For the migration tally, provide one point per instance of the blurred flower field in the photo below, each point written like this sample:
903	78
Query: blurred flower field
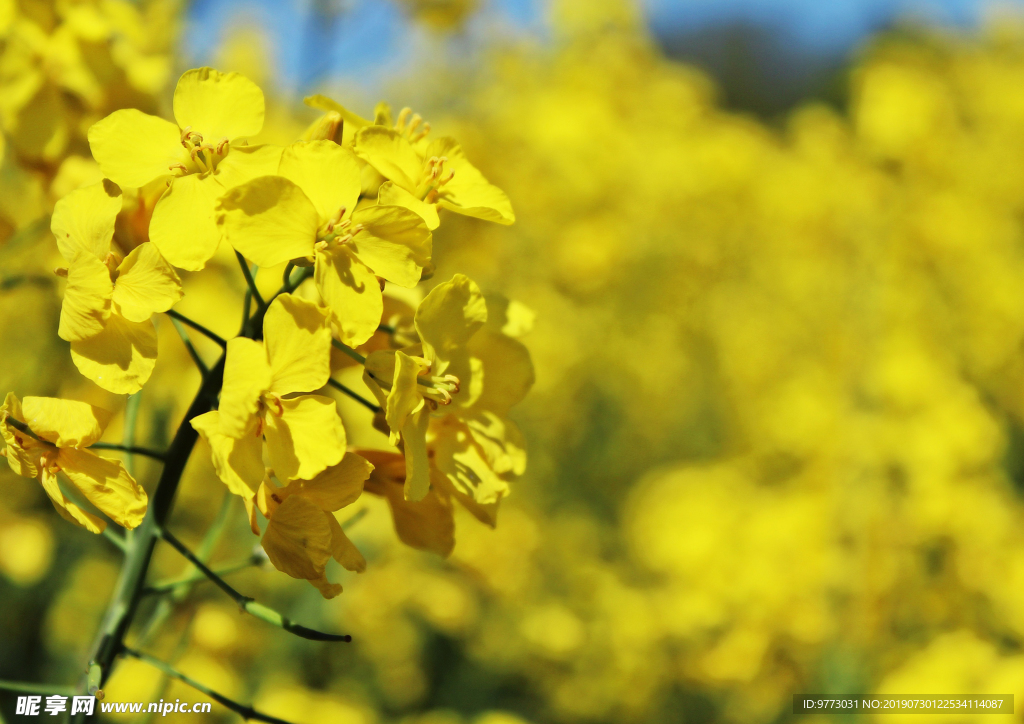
776	438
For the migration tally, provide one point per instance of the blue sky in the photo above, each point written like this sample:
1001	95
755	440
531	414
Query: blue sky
372	40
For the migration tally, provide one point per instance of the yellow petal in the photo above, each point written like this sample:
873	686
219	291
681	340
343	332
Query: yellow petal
238	461
244	163
184	225
392	195
342	549
327	589
83	221
427	524
448	317
119	359
23	452
146	284
106	484
469	193
339	485
507	371
327	173
394	243
306	438
458	456
218	105
87	296
298	343
65	423
350	290
68	510
417	461
133	148
246	378
500	441
405	398
391	154
323	103
298	539
269	220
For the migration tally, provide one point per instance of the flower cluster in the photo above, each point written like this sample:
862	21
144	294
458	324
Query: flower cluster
349	213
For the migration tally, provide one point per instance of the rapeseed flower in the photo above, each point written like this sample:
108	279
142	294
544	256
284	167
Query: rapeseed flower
61	430
201	156
310	213
303	433
109	298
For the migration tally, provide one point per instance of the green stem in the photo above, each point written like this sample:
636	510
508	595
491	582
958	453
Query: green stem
25	687
248	604
19	425
18	279
196	326
246	712
180	329
169	585
354	395
260	304
349	351
116	539
130	449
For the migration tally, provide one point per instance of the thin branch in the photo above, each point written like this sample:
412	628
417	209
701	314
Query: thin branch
250	281
355	518
246	712
115	538
180	329
130	449
354	395
349	351
248	604
385	328
26	687
18	424
196	326
18	279
288	273
168	586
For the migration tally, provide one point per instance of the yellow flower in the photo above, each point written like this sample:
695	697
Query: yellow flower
424	176
201	157
445	320
302	533
304	433
109	300
64	428
475	368
309	213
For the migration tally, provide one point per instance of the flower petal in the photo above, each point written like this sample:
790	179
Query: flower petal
391	154
391	194
448	317
507	371
146	284
86	306
68	510
83	221
469	193
298	539
350	290
244	163
417	460
405	397
339	485
218	105
238	461
119	359
269	220
246	377
133	148
23	452
327	173
298	343
323	103
457	455
427	524
106	484
65	423
306	438
184	225
395	243
342	549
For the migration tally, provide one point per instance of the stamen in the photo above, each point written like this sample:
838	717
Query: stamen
403	116
61	271
415	123
178	167
222	147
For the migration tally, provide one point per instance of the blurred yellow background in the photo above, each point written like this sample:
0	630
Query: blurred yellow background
777	434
